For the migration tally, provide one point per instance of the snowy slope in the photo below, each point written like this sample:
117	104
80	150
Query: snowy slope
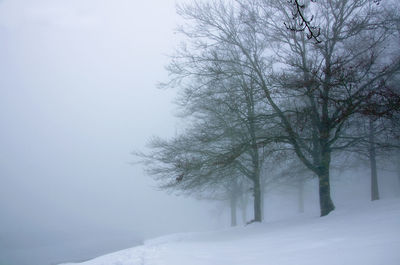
367	235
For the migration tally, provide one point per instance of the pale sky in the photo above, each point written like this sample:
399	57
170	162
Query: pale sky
77	95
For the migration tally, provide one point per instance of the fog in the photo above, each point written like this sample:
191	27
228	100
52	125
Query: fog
78	95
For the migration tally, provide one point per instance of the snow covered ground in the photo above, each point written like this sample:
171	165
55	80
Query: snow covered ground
367	235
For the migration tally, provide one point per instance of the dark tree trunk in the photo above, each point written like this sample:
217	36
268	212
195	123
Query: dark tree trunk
233	206
324	161
372	161
256	177
257	198
374	178
325	200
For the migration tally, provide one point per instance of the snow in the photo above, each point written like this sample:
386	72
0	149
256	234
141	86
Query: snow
367	234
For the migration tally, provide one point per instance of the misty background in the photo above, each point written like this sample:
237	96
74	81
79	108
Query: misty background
78	95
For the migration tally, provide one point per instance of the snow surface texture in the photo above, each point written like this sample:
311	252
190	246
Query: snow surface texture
367	235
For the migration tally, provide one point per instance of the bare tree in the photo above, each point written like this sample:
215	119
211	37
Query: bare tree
222	142
326	82
312	88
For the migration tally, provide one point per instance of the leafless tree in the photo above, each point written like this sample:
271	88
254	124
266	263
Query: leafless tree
327	82
312	88
222	141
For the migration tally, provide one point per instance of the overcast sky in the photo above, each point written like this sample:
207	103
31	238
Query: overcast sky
77	95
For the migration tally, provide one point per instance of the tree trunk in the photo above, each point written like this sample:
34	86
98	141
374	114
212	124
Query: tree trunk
257	199
372	160
262	196
243	207
233	206
325	201
301	195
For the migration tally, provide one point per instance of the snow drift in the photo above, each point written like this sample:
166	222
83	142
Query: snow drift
367	235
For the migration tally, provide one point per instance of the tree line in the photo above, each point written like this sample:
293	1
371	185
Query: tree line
273	90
